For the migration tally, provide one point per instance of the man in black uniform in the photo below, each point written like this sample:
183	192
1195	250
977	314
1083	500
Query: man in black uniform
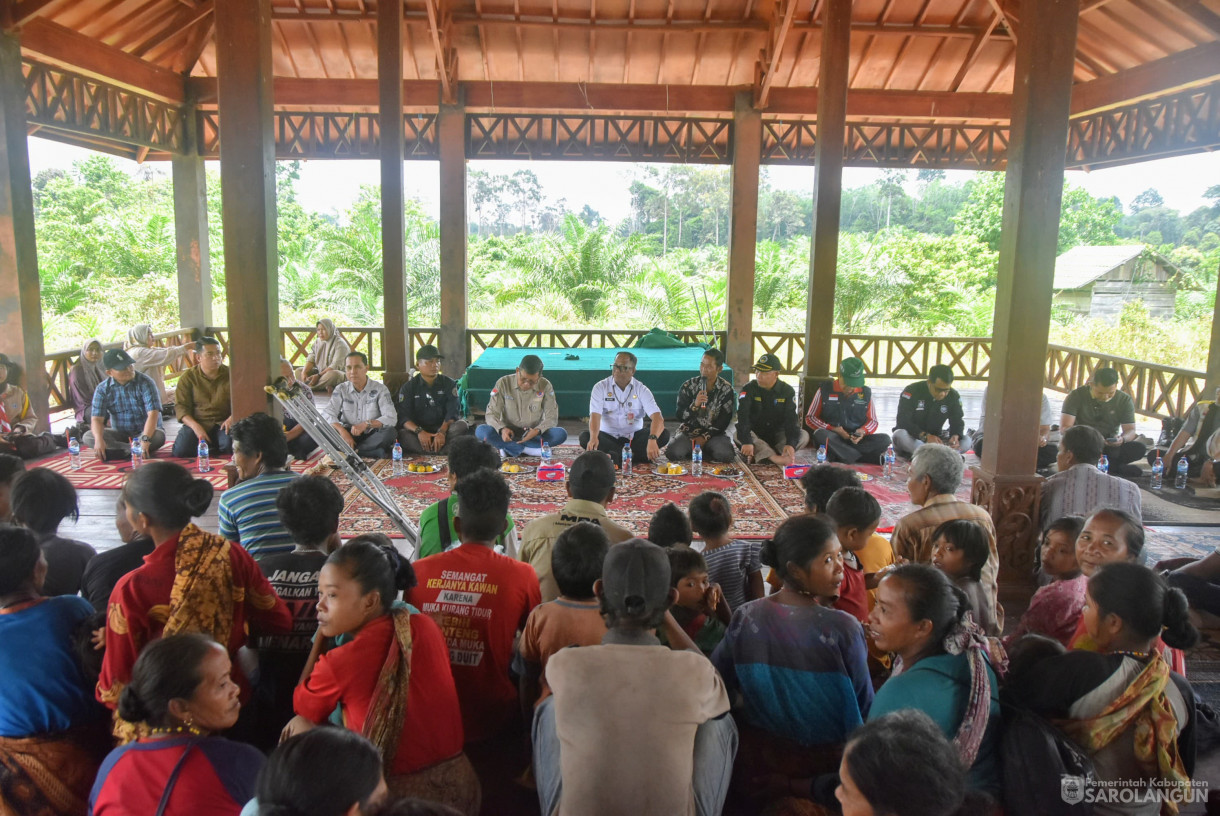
428	407
844	419
767	425
923	410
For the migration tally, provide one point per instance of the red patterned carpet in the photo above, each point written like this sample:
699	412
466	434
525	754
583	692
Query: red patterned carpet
111	475
761	498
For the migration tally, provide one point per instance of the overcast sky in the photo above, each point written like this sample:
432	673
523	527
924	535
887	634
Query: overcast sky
330	186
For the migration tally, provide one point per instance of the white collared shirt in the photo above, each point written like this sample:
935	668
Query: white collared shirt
622	410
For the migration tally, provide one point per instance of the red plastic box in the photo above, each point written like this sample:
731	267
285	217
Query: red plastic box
795	471
552	473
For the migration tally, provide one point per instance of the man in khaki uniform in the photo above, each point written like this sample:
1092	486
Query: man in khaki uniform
522	413
590	489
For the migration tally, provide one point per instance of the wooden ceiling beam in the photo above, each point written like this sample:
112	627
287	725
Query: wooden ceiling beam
181	22
1202	15
768	58
439	20
21	12
1186	69
196	41
53	44
973	53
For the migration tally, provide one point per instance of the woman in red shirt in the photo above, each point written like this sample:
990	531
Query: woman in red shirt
192	581
182	690
390	678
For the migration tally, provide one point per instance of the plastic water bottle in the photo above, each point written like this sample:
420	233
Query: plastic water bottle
1158	471
546	453
626	460
888	468
822	455
1183	472
74	452
696	460
396	455
137	453
202	457
1103	464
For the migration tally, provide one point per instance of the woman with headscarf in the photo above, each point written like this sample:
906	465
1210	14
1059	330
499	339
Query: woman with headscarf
151	359
83	380
323	368
17	418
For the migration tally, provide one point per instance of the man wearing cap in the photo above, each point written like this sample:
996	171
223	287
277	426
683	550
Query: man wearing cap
362	410
131	402
617	408
705	409
522	412
643	729
923	409
590	489
428	406
844	419
202	402
767	425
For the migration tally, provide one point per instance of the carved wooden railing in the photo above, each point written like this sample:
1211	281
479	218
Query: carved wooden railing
1158	390
59	364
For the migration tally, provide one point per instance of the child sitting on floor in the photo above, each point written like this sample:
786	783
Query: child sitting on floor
735	565
437	530
856	514
700	610
1055	608
959	550
572	619
669	527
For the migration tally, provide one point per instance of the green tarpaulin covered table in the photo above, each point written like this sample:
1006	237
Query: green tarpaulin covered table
662	370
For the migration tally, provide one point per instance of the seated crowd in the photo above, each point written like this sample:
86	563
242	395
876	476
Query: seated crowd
275	669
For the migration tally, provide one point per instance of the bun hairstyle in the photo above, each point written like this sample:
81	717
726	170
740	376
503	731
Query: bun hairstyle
710	513
168	669
322	772
371	561
167	493
798	540
1145	602
931	596
19	553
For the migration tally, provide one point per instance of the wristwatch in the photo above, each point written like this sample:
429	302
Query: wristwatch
652	436
145	438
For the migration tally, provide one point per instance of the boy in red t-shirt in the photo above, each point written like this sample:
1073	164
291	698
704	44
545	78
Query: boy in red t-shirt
856	515
480	599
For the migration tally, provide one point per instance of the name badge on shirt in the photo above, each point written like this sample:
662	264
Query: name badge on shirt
631	416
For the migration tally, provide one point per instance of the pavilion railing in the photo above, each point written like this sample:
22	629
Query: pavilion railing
59	364
1158	390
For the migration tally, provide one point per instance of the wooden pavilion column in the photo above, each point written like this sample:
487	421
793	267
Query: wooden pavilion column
191	231
1006	484
393	224
20	304
247	173
743	236
827	189
451	138
1213	350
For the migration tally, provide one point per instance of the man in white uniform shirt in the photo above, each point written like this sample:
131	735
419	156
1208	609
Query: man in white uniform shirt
617	408
362	411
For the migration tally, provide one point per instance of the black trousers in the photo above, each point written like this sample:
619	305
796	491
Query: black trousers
1047	454
868	450
613	445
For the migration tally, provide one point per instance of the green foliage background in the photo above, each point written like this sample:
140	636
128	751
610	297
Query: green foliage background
921	263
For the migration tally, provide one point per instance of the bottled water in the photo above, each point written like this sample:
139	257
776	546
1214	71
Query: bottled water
1158	471
888	468
822	455
1183	472
137	453
696	461
204	460
626	460
1103	464
396	455
74	452
546	453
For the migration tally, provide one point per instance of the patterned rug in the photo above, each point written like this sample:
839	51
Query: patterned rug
761	498
111	475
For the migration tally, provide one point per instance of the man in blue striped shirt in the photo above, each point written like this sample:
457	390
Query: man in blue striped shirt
247	512
131	402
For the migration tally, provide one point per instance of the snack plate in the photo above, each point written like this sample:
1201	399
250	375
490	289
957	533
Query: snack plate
718	471
524	469
658	472
432	469
864	477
